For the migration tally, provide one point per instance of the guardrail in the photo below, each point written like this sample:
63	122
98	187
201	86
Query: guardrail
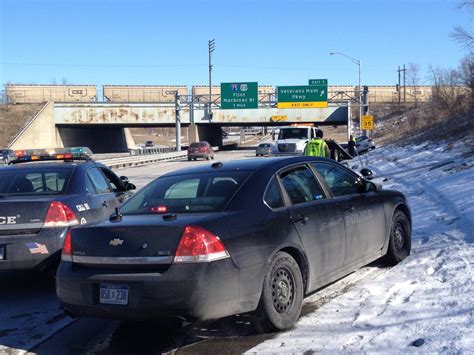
152	150
142	159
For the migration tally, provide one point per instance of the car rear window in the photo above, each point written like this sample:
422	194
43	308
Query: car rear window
197	145
186	193
34	182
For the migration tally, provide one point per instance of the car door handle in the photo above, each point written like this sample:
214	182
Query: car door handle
105	204
299	219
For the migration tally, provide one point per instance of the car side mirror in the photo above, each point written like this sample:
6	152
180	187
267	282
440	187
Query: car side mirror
367	173
129	186
367	186
124	178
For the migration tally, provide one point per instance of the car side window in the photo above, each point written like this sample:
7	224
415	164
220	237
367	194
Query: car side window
90	189
339	180
98	180
273	197
112	179
301	185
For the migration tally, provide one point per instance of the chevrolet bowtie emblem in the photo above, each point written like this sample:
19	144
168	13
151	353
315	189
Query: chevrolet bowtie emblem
116	242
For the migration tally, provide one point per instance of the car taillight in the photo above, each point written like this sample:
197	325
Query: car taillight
66	253
59	215
199	245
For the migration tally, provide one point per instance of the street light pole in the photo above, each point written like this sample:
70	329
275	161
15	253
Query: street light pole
211	46
359	63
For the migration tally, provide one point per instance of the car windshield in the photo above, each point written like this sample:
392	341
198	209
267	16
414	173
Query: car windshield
48	181
205	192
293	133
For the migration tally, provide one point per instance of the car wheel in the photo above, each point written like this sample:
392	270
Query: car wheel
208	157
212	157
282	293
399	244
189	159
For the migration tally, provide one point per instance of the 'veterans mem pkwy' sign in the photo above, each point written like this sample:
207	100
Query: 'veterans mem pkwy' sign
304	96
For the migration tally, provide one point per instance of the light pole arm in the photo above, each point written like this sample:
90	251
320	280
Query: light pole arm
352	59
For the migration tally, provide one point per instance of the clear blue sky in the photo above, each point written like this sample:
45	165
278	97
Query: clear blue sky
273	42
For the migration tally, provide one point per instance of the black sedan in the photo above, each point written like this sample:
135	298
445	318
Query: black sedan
233	237
40	200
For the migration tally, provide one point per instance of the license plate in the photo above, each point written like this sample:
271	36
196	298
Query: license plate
2	252
113	294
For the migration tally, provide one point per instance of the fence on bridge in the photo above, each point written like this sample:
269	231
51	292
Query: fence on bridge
24	93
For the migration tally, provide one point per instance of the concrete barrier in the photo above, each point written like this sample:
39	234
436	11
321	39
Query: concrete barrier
117	163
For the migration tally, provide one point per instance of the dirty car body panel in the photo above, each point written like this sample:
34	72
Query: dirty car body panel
40	201
131	266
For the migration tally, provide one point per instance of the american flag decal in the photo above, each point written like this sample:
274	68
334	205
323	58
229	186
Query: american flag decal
37	248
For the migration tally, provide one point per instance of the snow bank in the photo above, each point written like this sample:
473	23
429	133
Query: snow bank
428	297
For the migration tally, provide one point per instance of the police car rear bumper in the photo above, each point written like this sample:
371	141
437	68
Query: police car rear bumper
29	251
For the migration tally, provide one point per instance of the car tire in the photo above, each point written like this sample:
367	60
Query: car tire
282	292
399	243
208	157
212	157
189	159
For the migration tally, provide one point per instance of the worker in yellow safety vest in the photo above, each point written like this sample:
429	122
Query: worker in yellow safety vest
317	147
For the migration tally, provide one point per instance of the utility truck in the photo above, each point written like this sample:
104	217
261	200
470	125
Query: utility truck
293	139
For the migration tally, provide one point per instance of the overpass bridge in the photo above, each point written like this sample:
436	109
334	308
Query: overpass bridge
103	126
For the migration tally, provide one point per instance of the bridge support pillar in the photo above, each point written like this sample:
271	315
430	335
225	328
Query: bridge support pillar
193	133
129	138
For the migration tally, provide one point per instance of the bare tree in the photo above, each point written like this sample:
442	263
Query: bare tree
462	35
466	78
413	74
453	89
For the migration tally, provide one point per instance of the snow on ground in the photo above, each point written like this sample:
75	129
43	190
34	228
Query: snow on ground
429	295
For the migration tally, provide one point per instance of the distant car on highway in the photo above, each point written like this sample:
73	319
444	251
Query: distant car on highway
42	194
200	150
6	155
149	144
263	149
227	238
364	144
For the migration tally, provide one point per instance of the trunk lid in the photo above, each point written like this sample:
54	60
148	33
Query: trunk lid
133	238
23	214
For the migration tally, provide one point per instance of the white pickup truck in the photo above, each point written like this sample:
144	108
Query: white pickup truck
292	139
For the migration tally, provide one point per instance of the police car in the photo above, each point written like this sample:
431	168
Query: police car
42	194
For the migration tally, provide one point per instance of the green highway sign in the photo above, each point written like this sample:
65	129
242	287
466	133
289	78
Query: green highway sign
239	95
302	96
318	82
